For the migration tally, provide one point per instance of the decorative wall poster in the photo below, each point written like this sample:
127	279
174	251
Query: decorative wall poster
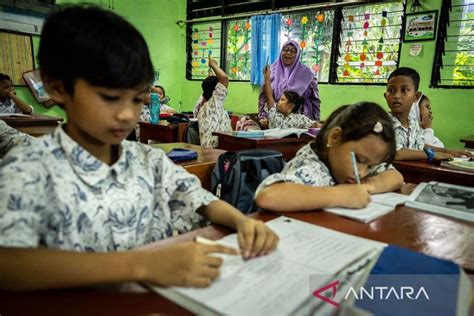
420	26
238	49
206	41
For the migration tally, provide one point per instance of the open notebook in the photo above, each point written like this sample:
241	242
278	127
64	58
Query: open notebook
297	278
381	204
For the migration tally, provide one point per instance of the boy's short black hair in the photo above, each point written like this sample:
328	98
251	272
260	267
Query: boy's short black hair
95	45
295	99
408	72
4	77
357	121
208	85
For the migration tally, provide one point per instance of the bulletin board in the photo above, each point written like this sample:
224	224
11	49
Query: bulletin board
16	55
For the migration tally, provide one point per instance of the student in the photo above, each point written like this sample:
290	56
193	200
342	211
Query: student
322	174
82	198
9	102
402	92
421	111
285	113
11	137
164	99
212	117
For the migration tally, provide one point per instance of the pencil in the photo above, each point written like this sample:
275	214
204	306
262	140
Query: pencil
204	241
354	167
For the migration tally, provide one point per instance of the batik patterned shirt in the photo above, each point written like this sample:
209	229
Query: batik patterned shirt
9	106
212	117
292	120
308	169
10	137
410	137
54	193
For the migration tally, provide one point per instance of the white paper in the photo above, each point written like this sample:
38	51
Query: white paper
283	132
381	204
277	283
415	49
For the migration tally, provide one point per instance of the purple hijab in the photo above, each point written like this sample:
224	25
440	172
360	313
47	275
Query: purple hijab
296	77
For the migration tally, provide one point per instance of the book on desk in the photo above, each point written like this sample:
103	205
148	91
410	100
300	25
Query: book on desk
293	279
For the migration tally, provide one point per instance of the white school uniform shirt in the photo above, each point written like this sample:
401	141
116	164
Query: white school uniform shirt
308	169
9	106
428	133
212	117
54	193
292	120
410	137
10	137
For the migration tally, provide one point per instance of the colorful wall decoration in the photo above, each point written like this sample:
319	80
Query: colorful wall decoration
205	42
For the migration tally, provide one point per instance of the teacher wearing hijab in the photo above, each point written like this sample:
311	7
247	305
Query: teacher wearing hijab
289	73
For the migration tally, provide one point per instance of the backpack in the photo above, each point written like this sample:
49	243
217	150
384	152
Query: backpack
237	175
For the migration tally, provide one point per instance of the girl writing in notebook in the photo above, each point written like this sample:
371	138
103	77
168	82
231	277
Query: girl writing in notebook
285	113
322	174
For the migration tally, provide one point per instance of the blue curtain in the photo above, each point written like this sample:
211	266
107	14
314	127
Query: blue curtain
265	44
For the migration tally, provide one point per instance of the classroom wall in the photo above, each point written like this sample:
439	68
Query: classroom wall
167	48
453	108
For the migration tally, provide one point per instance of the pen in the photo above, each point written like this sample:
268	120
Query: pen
354	167
204	241
266	63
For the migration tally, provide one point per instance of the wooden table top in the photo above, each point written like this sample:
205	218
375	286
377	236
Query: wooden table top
205	155
416	171
31	120
428	233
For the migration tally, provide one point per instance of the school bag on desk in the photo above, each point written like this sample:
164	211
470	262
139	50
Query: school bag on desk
237	175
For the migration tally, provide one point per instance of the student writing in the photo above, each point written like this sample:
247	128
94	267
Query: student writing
321	174
82	197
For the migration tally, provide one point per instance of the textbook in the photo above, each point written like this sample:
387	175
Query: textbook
381	204
278	283
319	271
284	132
249	134
442	198
459	165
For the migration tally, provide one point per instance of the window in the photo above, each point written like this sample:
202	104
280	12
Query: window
351	44
313	31
205	42
370	43
239	33
454	60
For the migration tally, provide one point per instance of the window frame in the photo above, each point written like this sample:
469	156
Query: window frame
442	34
336	38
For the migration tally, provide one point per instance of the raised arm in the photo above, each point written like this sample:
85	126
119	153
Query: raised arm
220	74
267	87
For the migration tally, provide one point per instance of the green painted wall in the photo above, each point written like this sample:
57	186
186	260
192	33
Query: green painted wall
156	19
453	109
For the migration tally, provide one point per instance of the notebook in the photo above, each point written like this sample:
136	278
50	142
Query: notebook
459	165
381	204
284	132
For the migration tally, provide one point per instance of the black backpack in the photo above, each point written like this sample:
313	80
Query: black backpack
237	175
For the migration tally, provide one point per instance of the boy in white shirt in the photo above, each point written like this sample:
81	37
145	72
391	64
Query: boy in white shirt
75	202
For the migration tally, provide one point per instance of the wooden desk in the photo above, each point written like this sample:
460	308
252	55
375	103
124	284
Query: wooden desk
288	146
203	166
468	141
416	171
428	233
35	124
162	132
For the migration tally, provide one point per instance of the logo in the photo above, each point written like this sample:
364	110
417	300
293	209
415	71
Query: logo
333	285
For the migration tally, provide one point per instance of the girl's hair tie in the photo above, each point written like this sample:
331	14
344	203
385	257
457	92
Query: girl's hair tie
378	127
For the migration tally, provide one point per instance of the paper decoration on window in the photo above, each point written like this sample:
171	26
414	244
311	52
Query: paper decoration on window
238	49
205	42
